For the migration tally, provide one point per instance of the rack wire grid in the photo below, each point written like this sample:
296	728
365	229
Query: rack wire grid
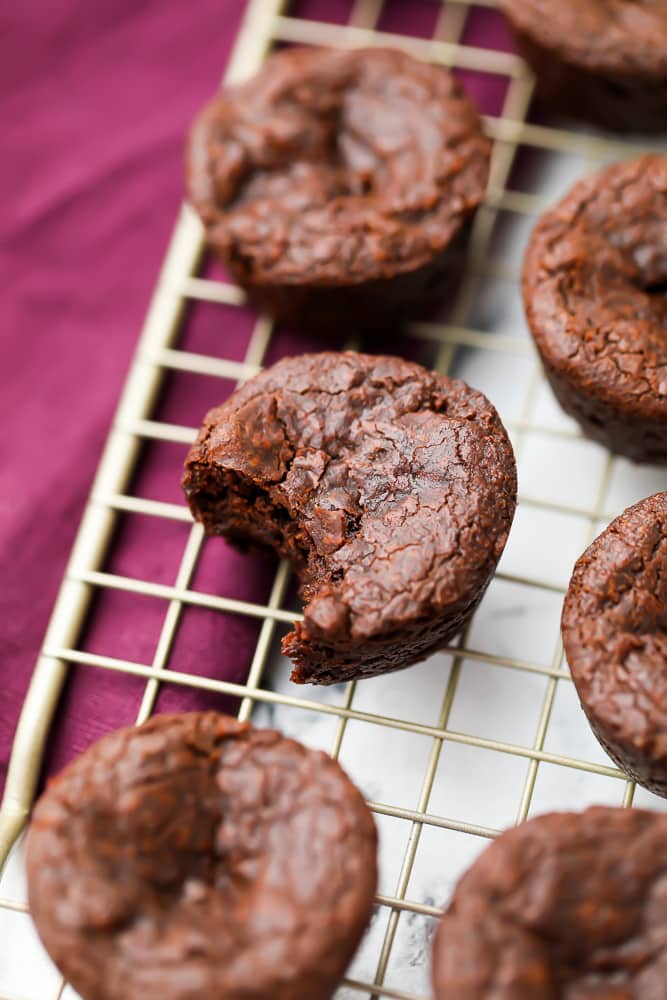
483	734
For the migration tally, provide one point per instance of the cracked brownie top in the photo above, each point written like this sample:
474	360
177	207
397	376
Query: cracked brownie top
595	283
196	856
336	167
615	638
605	36
391	488
568	905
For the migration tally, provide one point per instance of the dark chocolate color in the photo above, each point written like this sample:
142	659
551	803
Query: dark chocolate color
335	184
594	289
615	638
569	906
391	488
601	60
196	857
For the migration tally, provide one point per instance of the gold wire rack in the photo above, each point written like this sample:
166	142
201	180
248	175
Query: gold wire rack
268	22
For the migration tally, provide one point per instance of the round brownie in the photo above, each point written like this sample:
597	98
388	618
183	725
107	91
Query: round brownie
601	60
335	184
615	638
594	289
568	905
196	857
391	488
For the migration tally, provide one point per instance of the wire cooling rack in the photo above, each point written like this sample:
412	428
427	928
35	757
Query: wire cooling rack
488	731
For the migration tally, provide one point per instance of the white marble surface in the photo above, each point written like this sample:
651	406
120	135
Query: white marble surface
472	785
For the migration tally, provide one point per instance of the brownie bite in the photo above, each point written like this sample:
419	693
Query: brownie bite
337	186
615	638
569	906
390	488
594	290
601	60
197	857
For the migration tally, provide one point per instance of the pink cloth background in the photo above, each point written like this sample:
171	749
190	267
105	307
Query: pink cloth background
96	99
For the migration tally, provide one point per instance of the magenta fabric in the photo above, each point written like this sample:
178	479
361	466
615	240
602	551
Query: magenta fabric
96	99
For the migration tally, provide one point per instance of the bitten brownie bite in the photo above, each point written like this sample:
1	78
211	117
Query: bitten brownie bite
615	638
601	60
595	293
335	185
391	489
196	857
569	906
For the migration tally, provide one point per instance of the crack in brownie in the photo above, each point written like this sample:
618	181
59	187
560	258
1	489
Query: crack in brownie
334	184
594	289
390	488
196	857
615	639
569	906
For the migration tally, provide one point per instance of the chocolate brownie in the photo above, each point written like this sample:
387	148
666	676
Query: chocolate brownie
198	857
335	184
391	488
568	905
594	284
601	60
615	639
